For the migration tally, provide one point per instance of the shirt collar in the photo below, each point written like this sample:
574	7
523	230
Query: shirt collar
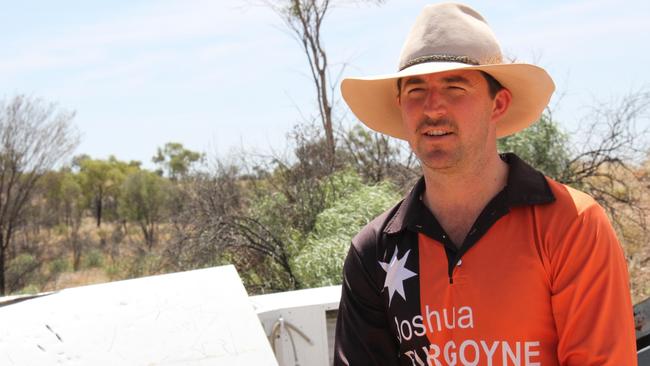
525	186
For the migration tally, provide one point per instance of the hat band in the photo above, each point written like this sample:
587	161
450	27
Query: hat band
440	58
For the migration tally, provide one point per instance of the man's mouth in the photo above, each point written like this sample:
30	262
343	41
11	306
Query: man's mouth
436	133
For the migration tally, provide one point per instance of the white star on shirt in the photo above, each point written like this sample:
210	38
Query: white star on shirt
396	273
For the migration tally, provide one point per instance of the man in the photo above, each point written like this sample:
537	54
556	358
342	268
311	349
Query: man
486	261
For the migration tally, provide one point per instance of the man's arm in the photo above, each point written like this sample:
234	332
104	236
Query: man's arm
362	333
591	296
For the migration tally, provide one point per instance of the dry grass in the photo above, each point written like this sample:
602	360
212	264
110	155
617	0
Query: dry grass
110	253
636	241
79	278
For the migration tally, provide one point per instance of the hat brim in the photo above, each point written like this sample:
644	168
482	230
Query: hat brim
374	99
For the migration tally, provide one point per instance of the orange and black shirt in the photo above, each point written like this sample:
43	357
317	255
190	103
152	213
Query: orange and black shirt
540	280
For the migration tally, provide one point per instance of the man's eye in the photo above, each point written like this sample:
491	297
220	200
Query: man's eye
416	91
455	87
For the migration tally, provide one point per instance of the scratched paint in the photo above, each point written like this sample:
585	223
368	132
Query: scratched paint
192	318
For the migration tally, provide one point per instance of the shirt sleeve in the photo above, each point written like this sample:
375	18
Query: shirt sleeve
591	295
362	333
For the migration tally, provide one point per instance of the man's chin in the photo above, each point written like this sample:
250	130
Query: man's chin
439	162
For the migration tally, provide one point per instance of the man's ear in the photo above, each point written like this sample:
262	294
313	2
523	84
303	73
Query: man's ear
501	103
398	98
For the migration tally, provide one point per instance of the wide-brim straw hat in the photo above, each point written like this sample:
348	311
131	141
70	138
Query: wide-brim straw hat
446	37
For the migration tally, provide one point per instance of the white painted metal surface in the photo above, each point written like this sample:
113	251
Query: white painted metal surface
201	317
300	324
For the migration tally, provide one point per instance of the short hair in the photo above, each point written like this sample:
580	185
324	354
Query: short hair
493	84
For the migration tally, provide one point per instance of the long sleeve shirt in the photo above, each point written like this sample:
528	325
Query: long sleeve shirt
540	280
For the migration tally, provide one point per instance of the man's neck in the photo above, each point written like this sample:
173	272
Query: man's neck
457	197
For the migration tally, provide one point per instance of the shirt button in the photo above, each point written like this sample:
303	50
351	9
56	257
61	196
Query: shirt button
460	261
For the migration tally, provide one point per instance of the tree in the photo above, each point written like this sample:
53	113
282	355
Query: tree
176	160
200	229
144	196
219	223
378	157
101	181
261	220
320	261
64	206
602	163
543	145
610	140
304	18
34	137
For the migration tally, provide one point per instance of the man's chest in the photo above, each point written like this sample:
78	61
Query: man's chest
494	303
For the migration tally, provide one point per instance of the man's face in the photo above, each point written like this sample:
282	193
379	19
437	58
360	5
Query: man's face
450	117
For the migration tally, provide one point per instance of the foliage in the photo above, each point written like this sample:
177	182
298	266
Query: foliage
175	160
543	145
58	266
144	265
320	261
64	207
304	19
376	157
199	224
93	259
34	137
144	197
280	225
22	271
284	222
269	247
101	181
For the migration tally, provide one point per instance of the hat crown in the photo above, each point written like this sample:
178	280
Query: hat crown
444	38
450	32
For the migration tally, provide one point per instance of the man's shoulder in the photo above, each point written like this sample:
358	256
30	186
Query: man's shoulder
572	214
531	187
569	200
372	235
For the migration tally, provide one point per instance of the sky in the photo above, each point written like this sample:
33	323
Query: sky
223	76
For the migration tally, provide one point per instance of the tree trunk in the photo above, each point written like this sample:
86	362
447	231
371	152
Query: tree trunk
148	232
98	205
76	250
329	135
2	265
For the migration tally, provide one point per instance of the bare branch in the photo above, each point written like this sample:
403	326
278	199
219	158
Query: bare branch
34	137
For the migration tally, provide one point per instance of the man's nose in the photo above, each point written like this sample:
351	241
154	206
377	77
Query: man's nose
434	104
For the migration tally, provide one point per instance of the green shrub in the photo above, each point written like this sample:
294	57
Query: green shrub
23	271
93	259
116	270
144	265
29	290
58	266
320	261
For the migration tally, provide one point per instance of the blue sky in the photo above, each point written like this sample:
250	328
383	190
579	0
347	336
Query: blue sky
224	75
